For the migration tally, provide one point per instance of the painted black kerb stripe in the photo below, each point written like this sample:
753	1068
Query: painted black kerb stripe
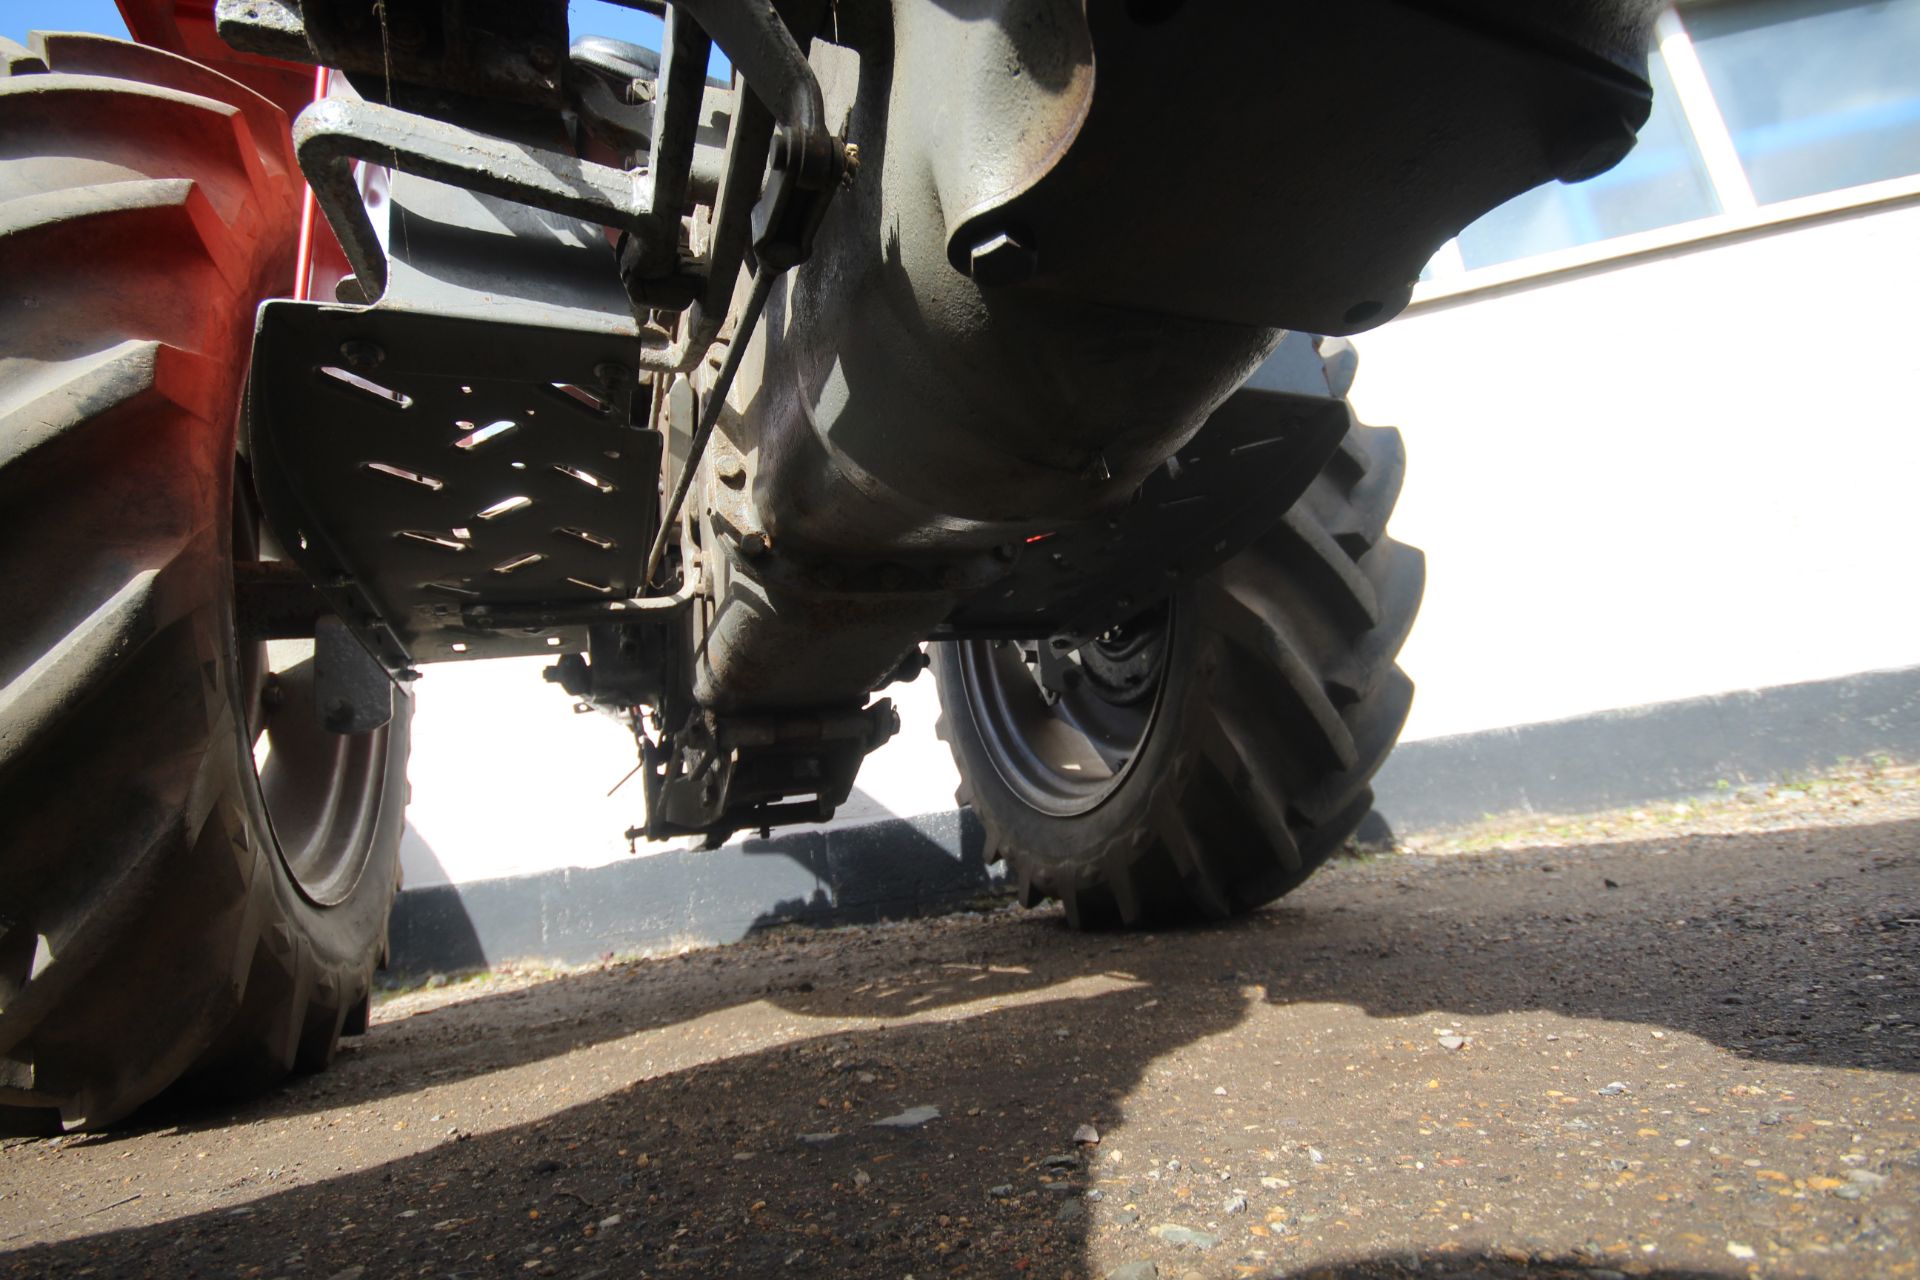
1664	751
888	870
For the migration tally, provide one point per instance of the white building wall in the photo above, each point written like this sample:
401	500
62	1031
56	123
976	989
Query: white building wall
1681	475
507	780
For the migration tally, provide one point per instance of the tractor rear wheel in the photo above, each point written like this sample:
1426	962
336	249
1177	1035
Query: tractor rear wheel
1207	756
195	876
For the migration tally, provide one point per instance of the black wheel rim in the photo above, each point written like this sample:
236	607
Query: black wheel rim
1064	747
322	791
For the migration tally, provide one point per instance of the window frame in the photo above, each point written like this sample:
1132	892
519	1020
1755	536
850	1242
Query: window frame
1741	213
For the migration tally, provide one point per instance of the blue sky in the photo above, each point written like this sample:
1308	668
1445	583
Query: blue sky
17	17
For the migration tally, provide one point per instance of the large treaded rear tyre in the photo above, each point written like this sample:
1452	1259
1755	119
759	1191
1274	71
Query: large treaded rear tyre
1277	699
166	909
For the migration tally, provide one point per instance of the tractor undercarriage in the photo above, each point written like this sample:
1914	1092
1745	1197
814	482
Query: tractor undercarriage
970	335
745	391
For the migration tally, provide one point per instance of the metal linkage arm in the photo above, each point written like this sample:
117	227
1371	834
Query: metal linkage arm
334	132
756	38
663	185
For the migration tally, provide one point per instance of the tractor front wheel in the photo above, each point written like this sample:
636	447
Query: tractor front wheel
195	876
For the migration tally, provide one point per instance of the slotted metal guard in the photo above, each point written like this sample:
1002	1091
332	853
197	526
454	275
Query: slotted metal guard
418	465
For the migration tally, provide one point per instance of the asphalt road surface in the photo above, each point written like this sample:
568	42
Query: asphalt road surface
1688	1050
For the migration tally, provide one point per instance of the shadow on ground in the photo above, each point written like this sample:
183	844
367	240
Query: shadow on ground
1778	947
1758	962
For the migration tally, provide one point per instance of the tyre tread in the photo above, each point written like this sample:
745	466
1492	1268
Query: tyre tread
144	925
1299	703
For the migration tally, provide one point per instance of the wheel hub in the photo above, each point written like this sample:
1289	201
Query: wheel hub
1064	725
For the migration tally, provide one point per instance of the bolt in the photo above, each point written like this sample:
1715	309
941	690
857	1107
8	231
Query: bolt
732	473
541	58
611	374
339	713
362	353
753	544
272	695
1006	551
1000	258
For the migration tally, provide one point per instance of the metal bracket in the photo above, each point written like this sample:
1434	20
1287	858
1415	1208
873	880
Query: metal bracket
724	773
645	204
273	600
1234	480
352	692
331	134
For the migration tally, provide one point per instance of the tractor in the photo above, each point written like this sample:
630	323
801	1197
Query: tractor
340	338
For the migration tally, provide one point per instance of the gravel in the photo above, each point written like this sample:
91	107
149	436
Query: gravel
1758	985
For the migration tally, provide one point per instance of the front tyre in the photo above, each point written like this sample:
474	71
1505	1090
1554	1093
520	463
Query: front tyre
1208	756
195	877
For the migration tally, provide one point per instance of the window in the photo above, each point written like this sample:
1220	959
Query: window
1755	102
1662	181
1818	94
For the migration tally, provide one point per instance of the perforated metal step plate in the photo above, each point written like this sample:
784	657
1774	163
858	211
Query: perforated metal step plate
417	466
